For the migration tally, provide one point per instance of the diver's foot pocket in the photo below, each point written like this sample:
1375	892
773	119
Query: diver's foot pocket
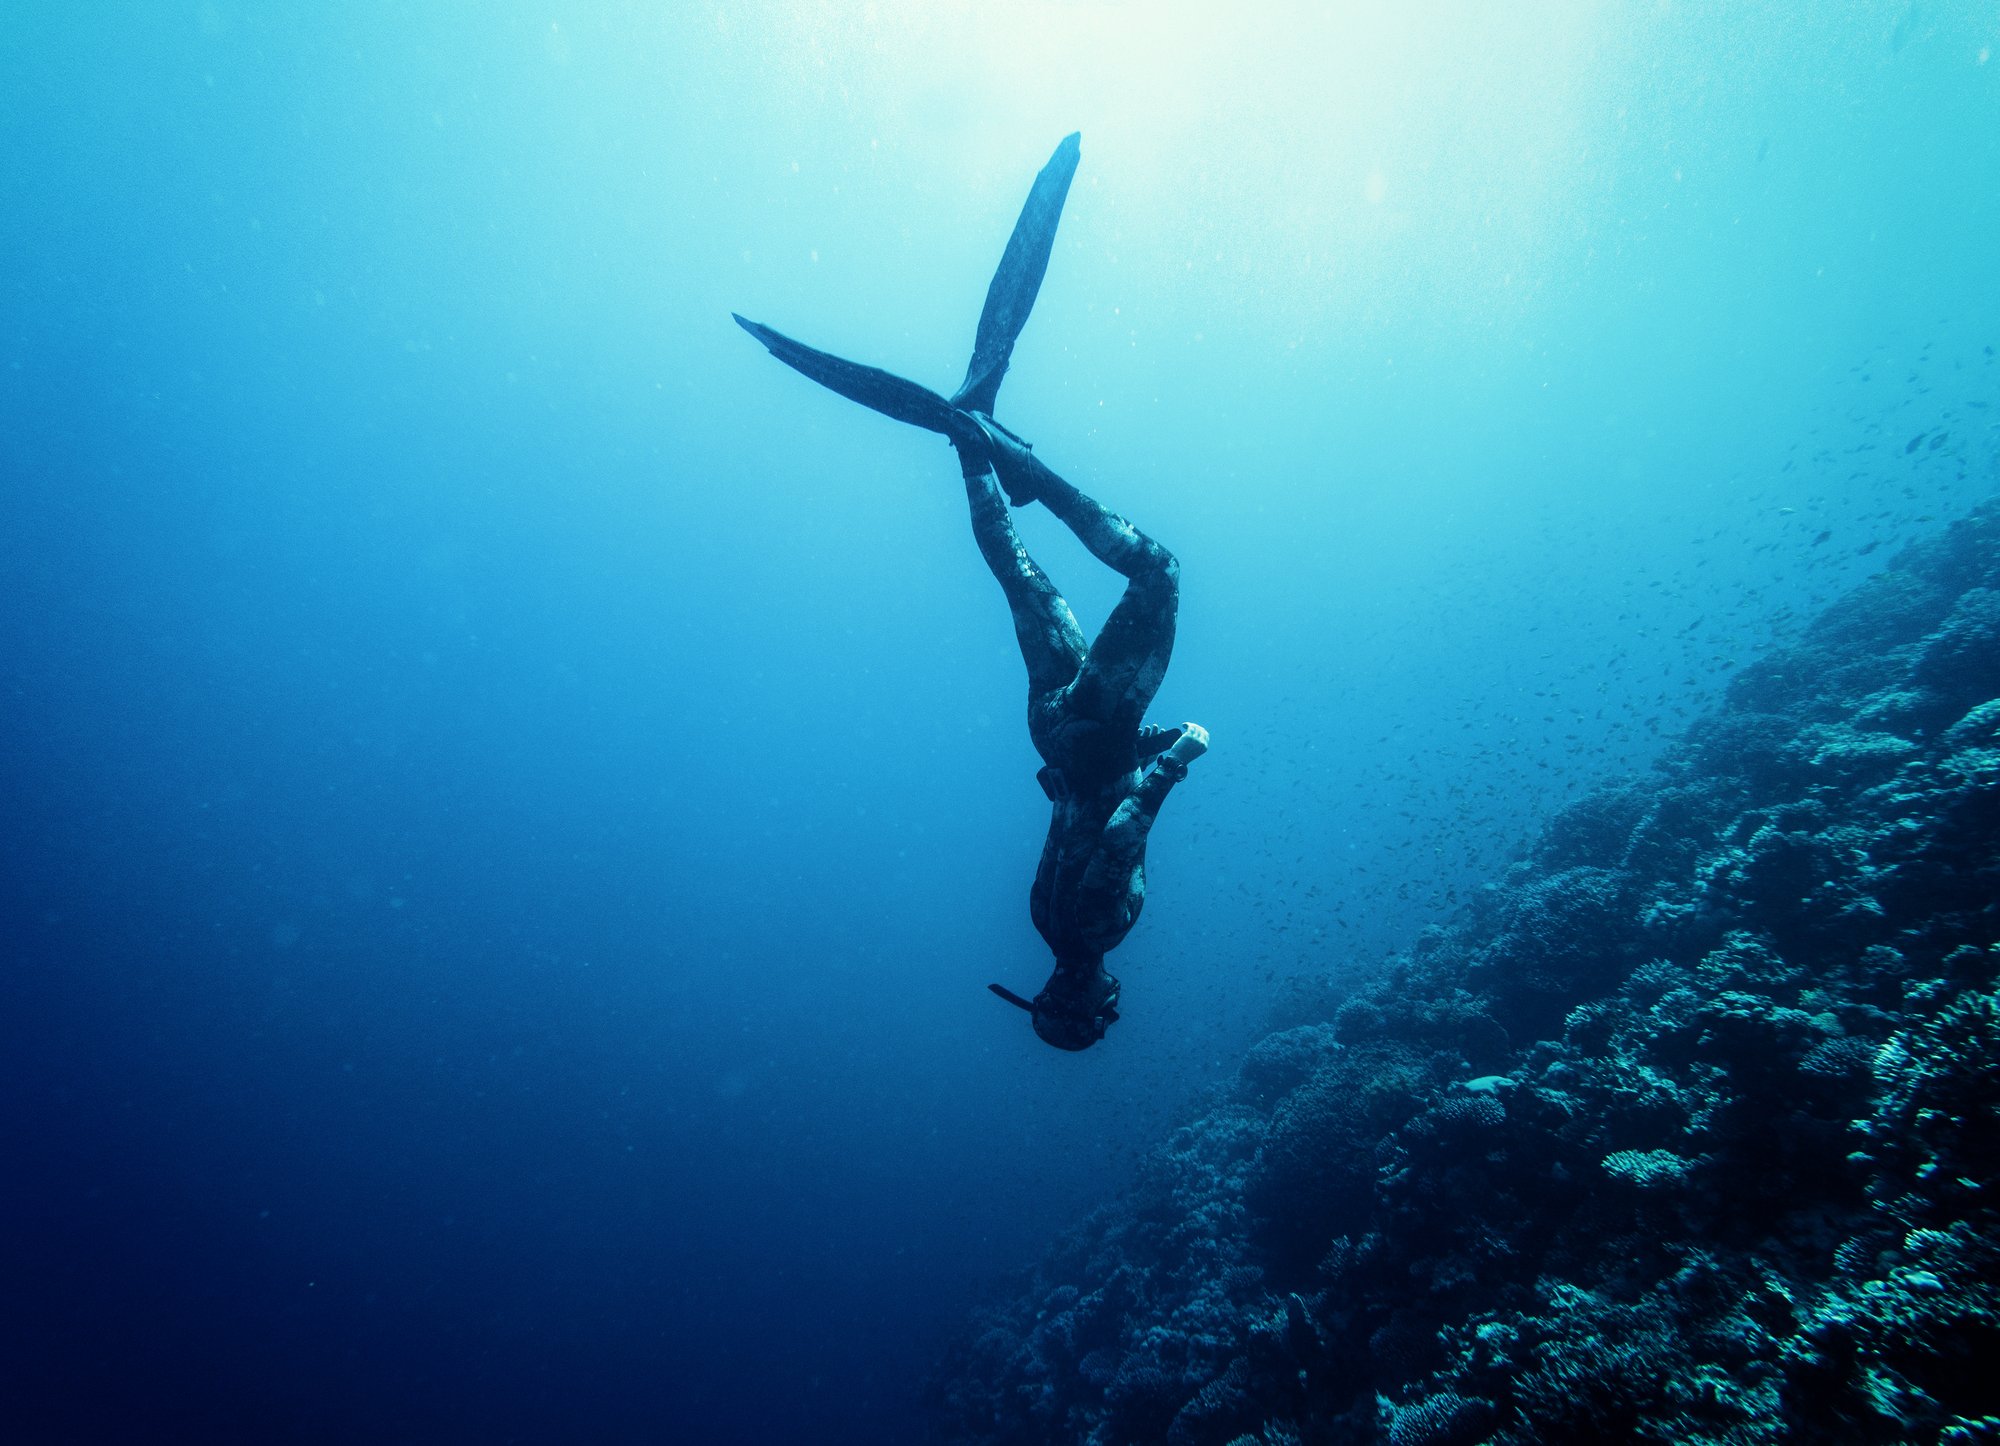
1013	459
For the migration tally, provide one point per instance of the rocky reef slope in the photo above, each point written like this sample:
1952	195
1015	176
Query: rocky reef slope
1689	1131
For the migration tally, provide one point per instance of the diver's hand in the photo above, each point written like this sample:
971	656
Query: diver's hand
1192	743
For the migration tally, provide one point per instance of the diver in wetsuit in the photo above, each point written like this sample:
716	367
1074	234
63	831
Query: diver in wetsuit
1105	772
1086	710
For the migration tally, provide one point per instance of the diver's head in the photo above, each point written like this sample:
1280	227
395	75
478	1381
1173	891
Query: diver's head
1064	1030
1070	1013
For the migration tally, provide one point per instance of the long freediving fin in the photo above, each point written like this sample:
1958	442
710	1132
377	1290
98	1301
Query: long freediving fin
1011	296
1009	299
885	392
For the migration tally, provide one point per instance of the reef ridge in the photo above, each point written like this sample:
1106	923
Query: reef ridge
1687	1130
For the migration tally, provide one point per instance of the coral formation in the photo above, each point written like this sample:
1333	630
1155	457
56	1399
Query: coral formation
1687	1131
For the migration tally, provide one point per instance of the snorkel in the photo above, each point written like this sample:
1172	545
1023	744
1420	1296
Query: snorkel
1011	997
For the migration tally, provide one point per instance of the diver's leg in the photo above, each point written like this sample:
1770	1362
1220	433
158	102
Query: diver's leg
1051	642
1128	659
1111	539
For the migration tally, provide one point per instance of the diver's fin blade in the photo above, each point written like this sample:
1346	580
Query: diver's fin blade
1012	295
882	391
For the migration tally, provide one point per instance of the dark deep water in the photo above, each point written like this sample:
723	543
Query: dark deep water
513	799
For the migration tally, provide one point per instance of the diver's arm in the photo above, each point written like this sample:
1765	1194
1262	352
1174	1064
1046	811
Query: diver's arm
1043	891
1122	847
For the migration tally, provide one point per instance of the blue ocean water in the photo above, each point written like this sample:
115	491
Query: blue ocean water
514	798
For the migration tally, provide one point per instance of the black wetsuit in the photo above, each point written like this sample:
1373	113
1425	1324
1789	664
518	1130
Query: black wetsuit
1086	708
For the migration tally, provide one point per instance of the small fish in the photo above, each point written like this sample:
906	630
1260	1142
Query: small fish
1821	538
1914	443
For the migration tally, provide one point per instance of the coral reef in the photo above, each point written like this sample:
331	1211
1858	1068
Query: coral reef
1687	1131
